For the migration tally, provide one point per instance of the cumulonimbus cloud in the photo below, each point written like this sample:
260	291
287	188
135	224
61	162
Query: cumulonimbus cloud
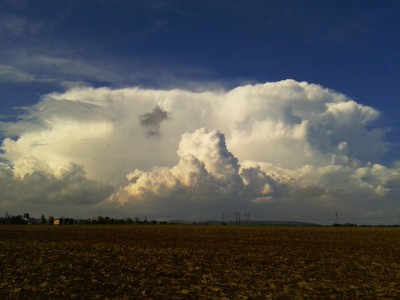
294	147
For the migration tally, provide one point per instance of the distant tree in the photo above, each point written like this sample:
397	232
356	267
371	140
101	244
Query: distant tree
50	220
43	219
26	216
17	220
68	221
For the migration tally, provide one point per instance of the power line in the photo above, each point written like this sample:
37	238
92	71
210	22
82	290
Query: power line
326	219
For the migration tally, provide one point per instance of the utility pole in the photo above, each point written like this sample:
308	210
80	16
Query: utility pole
247	218
237	218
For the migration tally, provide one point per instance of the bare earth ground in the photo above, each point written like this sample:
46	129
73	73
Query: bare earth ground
198	262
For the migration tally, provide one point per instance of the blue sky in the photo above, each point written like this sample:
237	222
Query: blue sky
350	47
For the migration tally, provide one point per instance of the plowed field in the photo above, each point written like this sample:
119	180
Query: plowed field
198	262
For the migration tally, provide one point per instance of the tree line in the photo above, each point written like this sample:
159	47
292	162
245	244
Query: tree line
27	219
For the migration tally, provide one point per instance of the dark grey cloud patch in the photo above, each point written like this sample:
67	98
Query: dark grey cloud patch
72	187
151	122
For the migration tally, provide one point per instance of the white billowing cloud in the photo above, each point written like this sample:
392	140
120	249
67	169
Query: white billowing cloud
207	177
301	118
48	151
294	147
115	142
210	148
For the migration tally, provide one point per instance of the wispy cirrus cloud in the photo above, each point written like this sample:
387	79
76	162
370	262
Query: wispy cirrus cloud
12	74
60	70
12	25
